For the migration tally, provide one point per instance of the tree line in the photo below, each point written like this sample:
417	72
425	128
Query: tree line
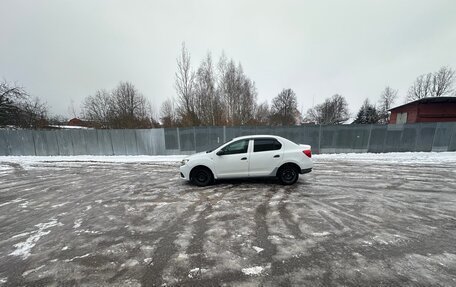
19	109
214	94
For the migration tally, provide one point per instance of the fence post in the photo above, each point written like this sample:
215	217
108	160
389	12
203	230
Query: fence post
178	139
224	134
369	138
319	140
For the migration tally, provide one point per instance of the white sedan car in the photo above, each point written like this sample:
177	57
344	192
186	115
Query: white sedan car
249	156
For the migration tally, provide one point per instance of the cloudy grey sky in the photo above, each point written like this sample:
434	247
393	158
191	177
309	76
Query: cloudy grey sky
62	51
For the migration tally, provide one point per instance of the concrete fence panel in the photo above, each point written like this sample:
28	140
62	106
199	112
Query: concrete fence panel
20	143
187	139
207	138
118	142
4	150
442	137
64	142
80	141
425	137
131	147
323	139
104	143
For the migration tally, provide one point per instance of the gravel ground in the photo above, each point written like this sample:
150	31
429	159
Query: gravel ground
349	222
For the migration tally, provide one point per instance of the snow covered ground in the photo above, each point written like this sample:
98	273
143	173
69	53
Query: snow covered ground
355	220
397	157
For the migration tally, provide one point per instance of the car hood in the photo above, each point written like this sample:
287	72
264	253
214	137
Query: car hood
197	155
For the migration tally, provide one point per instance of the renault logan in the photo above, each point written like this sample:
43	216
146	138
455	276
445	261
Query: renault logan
249	156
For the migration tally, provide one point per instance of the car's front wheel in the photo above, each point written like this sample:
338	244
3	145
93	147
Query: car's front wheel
288	174
201	176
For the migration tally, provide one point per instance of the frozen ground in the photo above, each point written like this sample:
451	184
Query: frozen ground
356	220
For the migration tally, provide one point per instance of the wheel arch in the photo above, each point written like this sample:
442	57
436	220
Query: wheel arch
201	166
289	163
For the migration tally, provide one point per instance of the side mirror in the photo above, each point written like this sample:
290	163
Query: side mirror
220	152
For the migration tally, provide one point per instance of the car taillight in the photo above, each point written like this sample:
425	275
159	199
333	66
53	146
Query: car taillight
307	152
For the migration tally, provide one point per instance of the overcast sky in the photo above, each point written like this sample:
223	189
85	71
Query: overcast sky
62	51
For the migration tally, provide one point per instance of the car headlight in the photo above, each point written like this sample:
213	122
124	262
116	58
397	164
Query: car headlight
184	161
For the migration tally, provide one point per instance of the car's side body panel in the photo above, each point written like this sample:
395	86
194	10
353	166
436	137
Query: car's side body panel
229	162
264	163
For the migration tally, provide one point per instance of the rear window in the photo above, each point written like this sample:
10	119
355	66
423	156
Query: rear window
266	144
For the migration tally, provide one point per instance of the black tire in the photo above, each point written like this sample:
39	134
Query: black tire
201	176
288	174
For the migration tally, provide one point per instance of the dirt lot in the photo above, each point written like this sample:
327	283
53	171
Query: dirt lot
347	223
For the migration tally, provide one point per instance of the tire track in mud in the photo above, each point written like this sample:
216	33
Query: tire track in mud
166	249
347	218
287	218
262	234
195	249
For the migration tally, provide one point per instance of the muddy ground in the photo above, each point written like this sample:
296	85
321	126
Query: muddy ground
348	223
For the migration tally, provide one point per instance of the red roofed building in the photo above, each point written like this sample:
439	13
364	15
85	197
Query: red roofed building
435	109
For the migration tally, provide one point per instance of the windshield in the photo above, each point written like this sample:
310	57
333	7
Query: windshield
211	150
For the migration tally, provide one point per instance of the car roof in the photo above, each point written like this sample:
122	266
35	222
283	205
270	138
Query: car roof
257	136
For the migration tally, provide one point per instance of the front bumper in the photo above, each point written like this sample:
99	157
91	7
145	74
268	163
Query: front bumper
185	172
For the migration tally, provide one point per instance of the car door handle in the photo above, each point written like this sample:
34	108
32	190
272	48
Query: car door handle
277	155
244	158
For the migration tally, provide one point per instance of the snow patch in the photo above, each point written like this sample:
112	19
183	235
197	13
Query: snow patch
59	205
65	248
257	249
255	270
20	235
78	257
24	205
32	270
319	234
393	157
193	273
26	161
130	263
23	248
77	223
12	201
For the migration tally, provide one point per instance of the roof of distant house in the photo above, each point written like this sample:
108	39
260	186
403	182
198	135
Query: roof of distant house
428	101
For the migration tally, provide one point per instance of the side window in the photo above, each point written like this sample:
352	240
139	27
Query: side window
266	144
237	147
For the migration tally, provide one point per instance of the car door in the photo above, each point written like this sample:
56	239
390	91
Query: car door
233	160
265	156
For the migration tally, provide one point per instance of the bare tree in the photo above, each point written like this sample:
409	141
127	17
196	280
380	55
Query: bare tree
18	109
442	82
130	108
421	88
333	111
168	115
209	108
262	114
386	101
435	84
284	108
238	93
10	96
34	113
99	108
124	107
184	85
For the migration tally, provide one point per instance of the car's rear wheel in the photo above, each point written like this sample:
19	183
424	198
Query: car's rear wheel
201	176
288	174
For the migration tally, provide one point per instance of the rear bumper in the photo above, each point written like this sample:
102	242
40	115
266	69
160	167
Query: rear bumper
306	170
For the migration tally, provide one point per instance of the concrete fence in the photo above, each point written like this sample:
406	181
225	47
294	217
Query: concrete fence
323	139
